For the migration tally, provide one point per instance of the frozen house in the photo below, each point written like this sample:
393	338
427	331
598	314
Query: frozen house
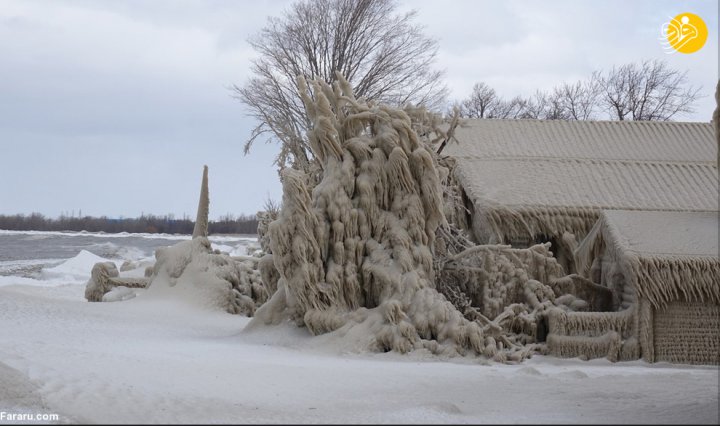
630	206
530	181
664	272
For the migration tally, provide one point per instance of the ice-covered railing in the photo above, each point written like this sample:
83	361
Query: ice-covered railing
104	277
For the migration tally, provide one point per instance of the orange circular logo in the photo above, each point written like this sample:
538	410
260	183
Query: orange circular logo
685	33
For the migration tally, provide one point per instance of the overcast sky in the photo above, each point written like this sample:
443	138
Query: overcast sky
113	107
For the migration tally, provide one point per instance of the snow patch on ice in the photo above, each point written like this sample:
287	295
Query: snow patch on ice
76	268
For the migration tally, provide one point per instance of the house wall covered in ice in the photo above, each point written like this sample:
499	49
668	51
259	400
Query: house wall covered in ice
664	271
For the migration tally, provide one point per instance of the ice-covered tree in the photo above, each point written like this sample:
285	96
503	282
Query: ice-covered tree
381	52
358	254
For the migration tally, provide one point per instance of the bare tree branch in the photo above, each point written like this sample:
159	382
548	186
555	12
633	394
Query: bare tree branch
383	55
645	91
637	91
482	103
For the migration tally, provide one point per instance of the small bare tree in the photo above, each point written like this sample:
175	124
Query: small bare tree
645	91
482	102
545	106
271	206
516	107
578	101
383	54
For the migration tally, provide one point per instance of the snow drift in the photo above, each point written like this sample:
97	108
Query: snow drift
189	270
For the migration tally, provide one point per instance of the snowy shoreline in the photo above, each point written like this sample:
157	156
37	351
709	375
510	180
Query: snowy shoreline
151	361
164	359
218	237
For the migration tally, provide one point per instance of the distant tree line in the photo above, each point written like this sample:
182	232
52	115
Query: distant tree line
168	224
648	91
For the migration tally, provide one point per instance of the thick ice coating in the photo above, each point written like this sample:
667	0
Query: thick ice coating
354	255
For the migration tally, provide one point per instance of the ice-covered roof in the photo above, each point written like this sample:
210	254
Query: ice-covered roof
665	255
665	233
588	164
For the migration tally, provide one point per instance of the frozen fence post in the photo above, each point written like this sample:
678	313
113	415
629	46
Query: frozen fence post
201	222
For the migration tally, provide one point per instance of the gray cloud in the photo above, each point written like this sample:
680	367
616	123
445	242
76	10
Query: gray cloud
520	46
113	107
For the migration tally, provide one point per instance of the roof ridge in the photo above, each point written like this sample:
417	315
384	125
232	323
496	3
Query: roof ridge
588	159
586	208
581	122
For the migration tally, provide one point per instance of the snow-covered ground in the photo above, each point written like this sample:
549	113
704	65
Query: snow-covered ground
154	360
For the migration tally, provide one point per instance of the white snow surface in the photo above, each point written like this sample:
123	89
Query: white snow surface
151	360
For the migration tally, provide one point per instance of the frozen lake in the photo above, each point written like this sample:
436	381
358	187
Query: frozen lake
26	253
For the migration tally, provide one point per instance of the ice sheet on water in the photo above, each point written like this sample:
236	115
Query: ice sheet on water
212	238
110	250
237	249
52	259
27	268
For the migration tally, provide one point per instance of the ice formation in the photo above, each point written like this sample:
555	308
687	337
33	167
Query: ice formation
191	268
207	277
360	251
664	286
104	277
368	247
201	221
